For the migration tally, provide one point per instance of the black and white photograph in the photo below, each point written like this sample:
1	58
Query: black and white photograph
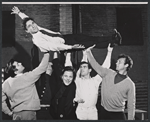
74	60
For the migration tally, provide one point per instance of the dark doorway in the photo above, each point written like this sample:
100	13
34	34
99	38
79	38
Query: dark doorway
8	29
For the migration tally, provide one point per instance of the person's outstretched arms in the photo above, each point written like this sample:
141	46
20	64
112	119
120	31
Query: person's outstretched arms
15	10
32	76
69	47
107	62
49	31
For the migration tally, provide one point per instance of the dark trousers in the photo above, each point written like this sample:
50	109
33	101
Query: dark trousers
6	117
87	41
44	114
106	115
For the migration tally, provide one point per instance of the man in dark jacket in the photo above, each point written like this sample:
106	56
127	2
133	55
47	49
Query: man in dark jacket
62	106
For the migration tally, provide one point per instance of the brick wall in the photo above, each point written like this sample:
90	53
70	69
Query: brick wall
102	19
46	16
65	18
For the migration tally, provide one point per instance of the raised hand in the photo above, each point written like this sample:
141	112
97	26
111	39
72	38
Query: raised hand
15	10
109	48
90	48
77	46
80	101
116	39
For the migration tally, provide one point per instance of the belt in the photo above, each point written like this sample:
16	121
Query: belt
45	107
87	107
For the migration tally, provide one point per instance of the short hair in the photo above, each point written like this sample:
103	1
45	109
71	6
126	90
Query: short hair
84	62
10	69
25	20
69	68
128	60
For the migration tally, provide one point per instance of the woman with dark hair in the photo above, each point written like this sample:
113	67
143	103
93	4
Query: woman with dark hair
62	106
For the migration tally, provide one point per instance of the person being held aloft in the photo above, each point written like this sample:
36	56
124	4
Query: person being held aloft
49	40
44	41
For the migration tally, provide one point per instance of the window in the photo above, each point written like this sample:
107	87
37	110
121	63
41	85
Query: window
129	24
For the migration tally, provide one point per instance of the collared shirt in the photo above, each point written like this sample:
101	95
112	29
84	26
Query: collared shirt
87	89
45	42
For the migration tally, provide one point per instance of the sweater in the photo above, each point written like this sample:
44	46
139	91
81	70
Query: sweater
114	95
21	89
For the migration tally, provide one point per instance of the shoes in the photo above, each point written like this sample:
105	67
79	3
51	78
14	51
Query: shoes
116	39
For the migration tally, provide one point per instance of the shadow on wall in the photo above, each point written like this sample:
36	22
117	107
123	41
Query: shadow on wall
22	56
113	64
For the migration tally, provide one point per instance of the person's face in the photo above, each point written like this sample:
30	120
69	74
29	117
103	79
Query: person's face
67	77
20	68
49	69
84	70
120	64
31	27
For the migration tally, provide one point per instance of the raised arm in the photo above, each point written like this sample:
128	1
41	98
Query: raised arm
34	75
95	65
84	58
57	67
50	31
107	62
68	59
15	10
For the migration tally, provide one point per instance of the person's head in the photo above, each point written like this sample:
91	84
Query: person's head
124	63
49	68
85	69
68	75
13	68
30	26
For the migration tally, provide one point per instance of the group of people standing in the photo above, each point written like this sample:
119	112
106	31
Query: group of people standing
69	92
